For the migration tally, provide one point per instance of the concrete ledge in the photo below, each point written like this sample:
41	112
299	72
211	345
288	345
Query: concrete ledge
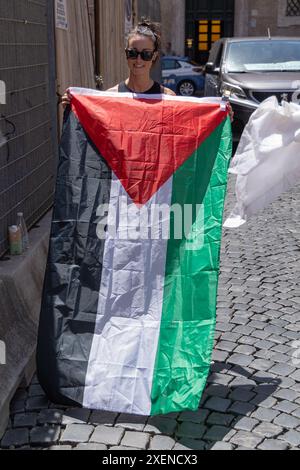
21	284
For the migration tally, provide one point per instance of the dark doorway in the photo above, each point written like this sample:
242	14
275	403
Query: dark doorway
206	22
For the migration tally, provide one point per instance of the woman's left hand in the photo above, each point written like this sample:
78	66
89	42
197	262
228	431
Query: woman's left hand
231	112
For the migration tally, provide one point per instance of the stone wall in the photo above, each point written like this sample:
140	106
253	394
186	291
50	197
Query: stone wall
253	18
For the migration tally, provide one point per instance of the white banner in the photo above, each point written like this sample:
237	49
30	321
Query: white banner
2	92
2	353
267	160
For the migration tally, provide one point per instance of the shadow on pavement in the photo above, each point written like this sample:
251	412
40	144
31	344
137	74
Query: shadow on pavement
233	400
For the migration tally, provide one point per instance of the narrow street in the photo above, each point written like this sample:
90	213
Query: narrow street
252	399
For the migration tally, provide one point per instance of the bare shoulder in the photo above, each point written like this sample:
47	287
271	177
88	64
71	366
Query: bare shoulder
167	91
114	88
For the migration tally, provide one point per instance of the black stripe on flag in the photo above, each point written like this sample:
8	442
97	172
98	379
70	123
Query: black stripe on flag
73	273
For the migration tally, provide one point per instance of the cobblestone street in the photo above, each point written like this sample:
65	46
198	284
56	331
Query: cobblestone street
252	398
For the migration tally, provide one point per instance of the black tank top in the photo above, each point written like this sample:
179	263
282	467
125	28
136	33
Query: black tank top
156	89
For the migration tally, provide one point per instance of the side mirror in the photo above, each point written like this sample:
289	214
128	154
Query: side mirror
211	69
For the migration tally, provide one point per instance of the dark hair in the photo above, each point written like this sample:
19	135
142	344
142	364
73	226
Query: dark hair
149	29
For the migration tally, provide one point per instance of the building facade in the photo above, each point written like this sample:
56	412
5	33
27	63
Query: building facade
192	26
254	17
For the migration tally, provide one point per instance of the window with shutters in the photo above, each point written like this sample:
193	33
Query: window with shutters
293	8
288	13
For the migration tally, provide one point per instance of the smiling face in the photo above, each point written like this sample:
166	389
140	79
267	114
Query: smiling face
140	67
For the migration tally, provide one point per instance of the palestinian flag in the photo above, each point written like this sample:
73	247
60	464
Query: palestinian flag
129	303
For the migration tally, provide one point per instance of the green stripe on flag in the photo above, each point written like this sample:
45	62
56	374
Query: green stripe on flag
191	279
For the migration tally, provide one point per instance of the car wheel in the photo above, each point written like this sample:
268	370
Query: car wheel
186	88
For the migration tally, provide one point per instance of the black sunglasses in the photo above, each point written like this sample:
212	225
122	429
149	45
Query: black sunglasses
145	55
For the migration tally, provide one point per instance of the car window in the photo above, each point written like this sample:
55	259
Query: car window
170	64
216	52
219	55
184	64
263	56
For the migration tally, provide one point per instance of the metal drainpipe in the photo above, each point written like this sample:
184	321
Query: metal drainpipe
98	77
52	87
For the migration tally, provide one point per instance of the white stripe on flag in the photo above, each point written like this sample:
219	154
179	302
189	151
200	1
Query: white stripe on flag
122	358
161	97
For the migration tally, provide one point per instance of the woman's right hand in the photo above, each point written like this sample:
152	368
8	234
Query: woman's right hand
66	99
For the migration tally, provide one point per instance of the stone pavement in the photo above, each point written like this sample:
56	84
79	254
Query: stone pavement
252	398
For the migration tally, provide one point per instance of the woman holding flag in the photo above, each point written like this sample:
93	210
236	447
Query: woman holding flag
129	303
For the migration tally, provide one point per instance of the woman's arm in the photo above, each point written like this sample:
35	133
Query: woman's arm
66	99
167	91
231	112
114	88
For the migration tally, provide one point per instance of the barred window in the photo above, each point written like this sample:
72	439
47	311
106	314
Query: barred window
293	8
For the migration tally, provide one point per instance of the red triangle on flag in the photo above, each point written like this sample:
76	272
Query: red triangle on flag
145	141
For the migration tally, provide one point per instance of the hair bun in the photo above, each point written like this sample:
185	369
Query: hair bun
147	23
